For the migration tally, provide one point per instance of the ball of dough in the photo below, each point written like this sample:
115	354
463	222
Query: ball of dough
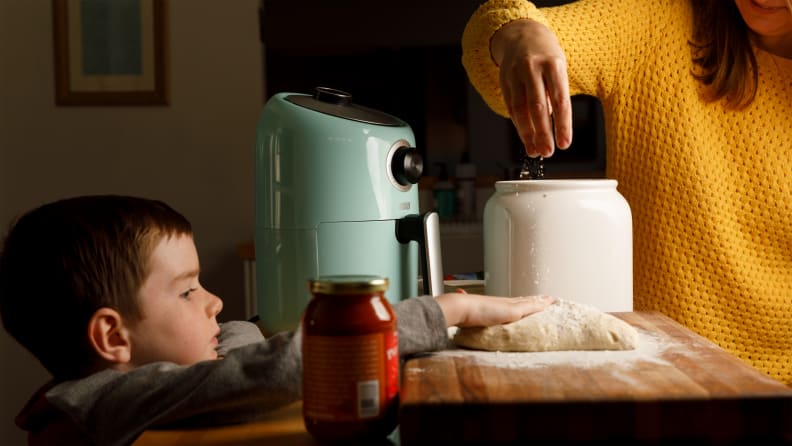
564	325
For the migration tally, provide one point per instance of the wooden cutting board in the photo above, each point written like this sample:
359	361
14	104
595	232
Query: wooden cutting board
677	386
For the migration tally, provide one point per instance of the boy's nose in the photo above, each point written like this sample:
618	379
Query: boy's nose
215	305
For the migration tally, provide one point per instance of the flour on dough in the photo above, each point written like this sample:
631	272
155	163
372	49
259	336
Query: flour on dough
565	325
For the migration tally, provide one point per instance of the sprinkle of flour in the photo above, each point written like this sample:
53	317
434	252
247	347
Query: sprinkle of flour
564	314
650	346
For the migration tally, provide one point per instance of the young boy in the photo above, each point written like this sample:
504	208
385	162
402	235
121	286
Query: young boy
105	292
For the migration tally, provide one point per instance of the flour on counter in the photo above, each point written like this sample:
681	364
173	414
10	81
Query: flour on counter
649	348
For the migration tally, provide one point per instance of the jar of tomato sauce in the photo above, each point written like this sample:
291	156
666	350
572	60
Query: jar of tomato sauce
350	350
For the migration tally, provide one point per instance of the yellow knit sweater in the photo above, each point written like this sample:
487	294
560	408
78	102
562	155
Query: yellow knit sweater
710	188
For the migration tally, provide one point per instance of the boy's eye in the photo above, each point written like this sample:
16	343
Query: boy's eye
186	294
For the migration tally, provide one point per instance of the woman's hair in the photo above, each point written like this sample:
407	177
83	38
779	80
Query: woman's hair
64	260
722	53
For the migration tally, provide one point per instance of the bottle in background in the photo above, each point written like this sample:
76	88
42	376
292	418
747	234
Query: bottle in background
466	188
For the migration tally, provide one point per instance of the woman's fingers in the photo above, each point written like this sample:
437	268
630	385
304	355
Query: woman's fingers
561	104
541	111
522	89
534	83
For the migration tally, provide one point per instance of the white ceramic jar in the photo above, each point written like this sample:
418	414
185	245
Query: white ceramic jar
570	239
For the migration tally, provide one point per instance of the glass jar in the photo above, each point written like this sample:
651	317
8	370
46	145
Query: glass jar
350	359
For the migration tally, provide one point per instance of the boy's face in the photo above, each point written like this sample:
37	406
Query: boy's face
179	316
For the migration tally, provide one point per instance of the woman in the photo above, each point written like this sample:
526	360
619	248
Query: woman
697	98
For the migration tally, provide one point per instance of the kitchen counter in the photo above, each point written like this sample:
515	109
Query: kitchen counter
675	387
282	427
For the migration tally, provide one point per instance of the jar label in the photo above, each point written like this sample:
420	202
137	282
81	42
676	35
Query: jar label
349	378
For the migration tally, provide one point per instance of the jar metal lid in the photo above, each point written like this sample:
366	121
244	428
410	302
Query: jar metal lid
347	284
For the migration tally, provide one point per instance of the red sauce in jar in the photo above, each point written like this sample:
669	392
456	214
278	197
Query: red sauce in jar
350	359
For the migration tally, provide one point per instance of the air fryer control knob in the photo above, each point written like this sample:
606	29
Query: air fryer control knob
407	165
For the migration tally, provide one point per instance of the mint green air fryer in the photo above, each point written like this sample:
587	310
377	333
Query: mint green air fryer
336	194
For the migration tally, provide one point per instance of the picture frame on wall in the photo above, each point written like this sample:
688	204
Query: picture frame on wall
110	52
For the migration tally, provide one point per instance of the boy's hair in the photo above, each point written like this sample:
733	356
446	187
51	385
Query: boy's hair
64	260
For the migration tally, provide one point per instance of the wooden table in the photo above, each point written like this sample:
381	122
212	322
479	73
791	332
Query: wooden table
684	389
694	391
280	427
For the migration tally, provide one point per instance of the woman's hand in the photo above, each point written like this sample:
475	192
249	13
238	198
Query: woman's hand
533	78
473	310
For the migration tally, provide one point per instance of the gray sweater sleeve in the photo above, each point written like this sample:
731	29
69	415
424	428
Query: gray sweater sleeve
422	326
255	375
113	408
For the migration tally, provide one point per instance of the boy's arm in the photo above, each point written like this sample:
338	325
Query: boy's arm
423	321
235	334
255	376
114	407
422	325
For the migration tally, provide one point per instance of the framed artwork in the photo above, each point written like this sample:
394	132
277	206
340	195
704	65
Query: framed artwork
110	52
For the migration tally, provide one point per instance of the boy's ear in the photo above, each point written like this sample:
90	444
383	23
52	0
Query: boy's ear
109	336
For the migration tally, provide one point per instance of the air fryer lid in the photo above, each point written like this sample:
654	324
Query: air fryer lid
339	103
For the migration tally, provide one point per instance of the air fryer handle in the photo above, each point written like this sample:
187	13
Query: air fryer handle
425	229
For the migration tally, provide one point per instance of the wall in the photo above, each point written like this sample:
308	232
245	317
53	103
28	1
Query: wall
195	154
